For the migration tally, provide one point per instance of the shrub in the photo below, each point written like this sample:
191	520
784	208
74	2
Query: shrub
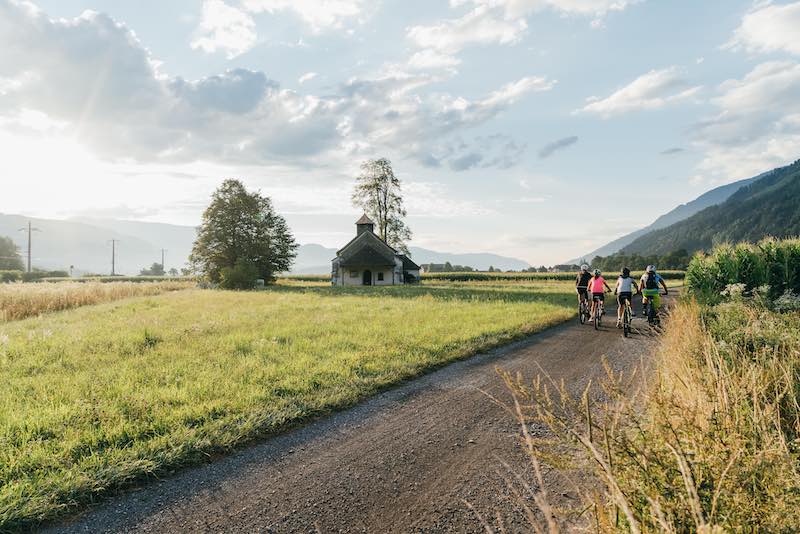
10	276
243	275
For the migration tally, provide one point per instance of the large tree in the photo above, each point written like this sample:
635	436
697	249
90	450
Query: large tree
378	192
9	256
242	227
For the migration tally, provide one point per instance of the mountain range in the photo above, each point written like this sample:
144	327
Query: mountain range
684	211
766	206
85	244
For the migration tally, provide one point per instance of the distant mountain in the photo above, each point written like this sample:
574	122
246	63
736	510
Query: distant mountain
767	206
87	245
684	211
476	260
316	259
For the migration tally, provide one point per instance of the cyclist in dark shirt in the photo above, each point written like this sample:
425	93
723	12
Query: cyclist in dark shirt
582	284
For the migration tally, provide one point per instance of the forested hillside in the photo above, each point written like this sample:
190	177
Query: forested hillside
766	207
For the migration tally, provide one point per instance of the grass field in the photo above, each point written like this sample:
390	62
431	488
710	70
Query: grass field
99	396
18	301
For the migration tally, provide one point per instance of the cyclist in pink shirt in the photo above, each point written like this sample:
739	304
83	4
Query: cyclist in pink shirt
596	285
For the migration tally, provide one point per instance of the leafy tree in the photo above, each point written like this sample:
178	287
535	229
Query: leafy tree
243	275
9	255
378	193
155	270
173	272
241	226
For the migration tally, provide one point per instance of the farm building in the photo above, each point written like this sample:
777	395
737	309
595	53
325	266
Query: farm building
368	261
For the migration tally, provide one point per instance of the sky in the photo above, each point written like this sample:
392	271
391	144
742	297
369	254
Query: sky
538	129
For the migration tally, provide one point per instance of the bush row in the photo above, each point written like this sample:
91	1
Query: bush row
486	276
771	262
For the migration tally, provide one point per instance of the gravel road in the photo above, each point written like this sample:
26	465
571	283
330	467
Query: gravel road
403	461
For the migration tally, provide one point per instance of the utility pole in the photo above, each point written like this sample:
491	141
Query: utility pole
163	265
114	256
29	230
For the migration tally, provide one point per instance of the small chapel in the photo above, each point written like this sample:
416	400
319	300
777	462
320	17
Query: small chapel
367	260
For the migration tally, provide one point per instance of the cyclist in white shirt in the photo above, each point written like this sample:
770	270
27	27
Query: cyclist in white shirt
624	291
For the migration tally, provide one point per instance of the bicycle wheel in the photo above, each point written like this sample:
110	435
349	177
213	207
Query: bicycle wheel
596	319
581	314
626	321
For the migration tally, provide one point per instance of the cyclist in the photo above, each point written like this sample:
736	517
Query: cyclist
582	284
596	285
648	286
624	291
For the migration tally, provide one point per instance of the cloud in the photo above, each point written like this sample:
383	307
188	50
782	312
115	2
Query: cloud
757	124
653	90
307	77
93	76
225	28
550	148
320	15
433	199
519	8
672	151
769	28
431	59
479	26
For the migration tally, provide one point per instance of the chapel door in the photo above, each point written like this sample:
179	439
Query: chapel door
367	278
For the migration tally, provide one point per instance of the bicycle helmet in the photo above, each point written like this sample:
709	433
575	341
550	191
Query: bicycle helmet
584	268
651	268
597	272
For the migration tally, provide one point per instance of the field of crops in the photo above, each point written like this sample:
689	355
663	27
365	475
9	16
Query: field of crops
18	300
98	396
488	277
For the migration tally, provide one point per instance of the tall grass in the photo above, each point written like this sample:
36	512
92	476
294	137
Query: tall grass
771	262
711	444
18	301
102	395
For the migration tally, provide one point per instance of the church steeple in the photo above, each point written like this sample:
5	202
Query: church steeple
364	224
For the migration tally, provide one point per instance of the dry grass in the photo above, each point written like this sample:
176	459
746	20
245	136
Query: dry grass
712	443
19	301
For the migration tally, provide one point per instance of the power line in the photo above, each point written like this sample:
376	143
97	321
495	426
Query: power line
29	229
113	256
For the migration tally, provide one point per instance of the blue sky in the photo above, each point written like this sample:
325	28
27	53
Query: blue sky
534	128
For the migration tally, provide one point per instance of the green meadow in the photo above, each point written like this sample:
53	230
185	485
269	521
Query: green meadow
104	395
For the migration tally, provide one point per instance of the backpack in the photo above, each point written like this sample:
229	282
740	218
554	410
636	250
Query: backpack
651	282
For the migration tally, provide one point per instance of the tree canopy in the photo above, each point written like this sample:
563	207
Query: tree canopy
155	270
378	192
9	255
239	228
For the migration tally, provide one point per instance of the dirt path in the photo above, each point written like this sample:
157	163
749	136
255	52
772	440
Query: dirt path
403	461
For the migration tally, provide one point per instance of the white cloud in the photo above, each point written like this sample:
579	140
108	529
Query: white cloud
652	90
431	60
318	14
307	77
92	75
757	126
479	26
519	8
770	28
225	28
433	199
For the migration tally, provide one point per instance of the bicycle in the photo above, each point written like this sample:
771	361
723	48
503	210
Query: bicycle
600	310
584	311
627	317
651	312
